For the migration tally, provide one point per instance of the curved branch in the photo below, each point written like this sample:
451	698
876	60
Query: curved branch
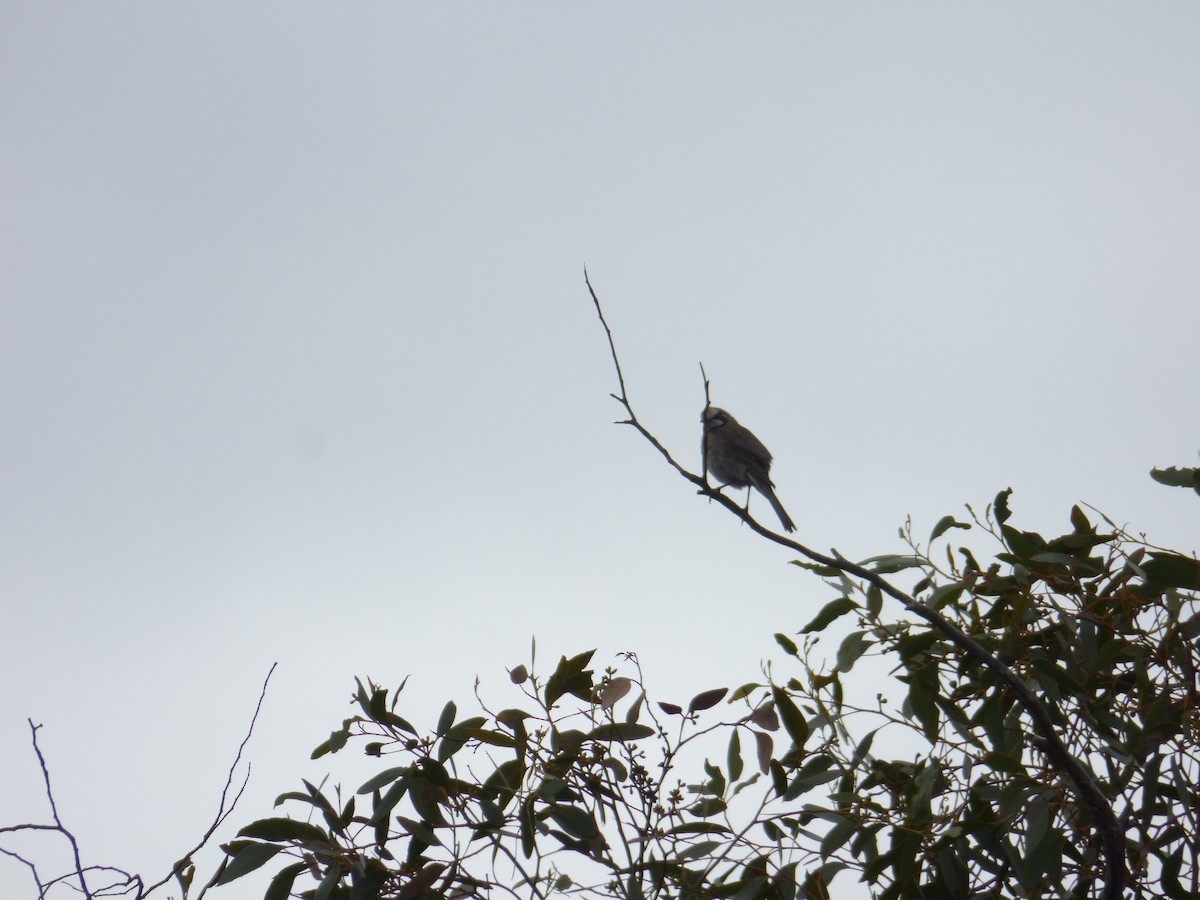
223	812
1047	739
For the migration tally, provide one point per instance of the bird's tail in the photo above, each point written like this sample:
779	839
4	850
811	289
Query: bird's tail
768	490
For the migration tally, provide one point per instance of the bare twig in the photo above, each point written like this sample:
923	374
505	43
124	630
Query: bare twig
58	825
623	399
223	813
127	881
19	858
1047	738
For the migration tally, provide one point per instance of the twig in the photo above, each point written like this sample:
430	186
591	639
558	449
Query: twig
130	882
222	812
19	858
54	812
1047	739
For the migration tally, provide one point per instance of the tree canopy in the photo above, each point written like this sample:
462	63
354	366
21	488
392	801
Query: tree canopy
587	784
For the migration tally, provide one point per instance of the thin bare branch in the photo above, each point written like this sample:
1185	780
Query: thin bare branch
32	868
127	880
623	399
79	869
223	812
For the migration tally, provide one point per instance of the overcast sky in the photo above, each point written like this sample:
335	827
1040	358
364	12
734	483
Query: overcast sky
297	363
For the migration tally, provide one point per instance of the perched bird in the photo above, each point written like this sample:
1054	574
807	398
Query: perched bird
737	458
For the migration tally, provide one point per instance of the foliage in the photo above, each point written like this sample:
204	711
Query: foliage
778	787
1178	477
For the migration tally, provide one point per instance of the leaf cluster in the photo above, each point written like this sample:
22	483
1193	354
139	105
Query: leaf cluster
778	787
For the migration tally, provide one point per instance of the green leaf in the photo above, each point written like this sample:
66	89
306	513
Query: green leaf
1173	570
1170	877
754	888
280	887
707	699
841	832
863	748
1003	763
486	736
1072	563
620	773
184	871
571	677
385	804
493	816
511	718
778	778
854	645
945	523
927	780
504	782
788	645
419	885
823	571
892	562
793	720
453	740
574	821
733	756
422	831
328	883
835	609
697	850
377	705
708	806
635	709
764	745
614	691
527	827
282	830
247	859
716	784
945	594
765	718
337	740
1000	506
446	719
1178	477
620	731
816	771
874	600
387	776
1025	544
1037	821
921	692
700	828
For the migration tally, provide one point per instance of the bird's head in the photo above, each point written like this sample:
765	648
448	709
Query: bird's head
714	417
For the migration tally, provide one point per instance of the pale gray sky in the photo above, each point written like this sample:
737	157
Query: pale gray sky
297	362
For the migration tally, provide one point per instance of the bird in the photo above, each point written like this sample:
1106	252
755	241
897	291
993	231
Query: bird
737	458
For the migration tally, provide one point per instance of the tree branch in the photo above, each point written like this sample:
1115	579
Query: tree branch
1047	739
222	812
130	882
58	825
